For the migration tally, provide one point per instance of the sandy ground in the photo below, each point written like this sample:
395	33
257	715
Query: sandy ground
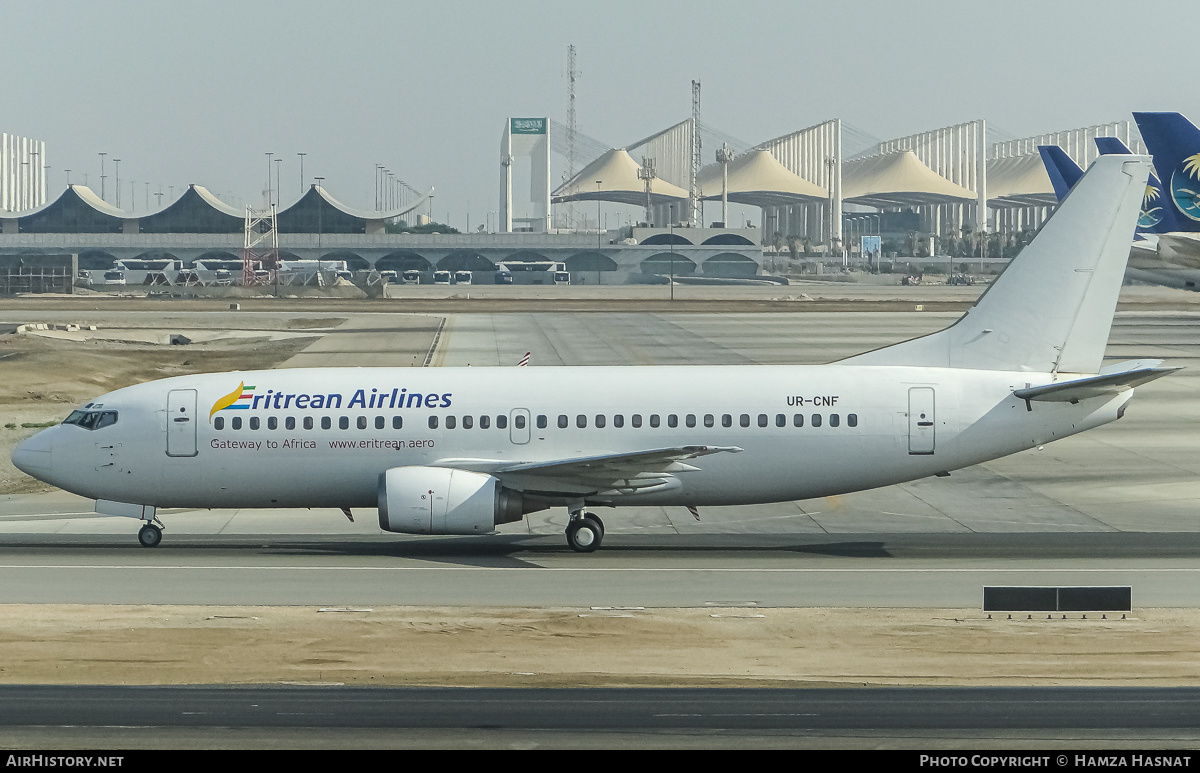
51	644
43	379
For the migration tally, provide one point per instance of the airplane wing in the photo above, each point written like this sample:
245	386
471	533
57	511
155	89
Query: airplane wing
1118	379
605	474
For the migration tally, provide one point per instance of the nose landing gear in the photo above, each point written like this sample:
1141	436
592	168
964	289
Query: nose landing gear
150	534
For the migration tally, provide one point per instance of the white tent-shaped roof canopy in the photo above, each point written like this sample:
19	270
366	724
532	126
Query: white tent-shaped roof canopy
1019	181
758	179
617	173
898	180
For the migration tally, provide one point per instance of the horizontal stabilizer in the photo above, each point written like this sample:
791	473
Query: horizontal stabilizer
1104	385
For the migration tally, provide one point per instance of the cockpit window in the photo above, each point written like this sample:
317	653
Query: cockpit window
91	419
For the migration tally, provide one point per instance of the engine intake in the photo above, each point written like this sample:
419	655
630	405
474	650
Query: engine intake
440	500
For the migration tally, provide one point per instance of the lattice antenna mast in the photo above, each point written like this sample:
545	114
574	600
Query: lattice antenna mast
694	203
647	174
261	247
572	127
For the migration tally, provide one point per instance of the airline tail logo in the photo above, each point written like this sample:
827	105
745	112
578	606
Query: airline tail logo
1185	187
238	399
1151	214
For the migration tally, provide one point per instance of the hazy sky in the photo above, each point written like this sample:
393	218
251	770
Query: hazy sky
199	93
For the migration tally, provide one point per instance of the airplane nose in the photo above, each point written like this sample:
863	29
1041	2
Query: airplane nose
32	456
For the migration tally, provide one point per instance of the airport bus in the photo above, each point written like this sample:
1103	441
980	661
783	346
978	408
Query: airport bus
533	272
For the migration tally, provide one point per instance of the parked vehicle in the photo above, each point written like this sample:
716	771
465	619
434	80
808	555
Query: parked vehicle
411	276
114	277
441	277
462	277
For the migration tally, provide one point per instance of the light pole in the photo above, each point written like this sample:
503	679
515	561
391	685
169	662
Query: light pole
269	199
671	219
102	155
278	189
117	163
319	197
302	155
68	171
599	280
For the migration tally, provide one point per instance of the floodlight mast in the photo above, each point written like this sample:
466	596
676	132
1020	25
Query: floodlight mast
646	173
724	156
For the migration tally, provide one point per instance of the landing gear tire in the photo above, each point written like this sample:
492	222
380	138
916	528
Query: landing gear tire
585	534
149	535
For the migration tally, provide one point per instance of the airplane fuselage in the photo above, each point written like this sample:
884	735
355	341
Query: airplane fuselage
323	437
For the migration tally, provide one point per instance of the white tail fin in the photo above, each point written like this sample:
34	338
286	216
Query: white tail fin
1052	308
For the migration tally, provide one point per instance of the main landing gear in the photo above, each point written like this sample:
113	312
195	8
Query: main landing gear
150	534
585	532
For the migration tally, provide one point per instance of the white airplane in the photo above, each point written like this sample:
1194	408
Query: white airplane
461	450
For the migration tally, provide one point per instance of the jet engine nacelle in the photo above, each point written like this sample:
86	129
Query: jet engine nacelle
439	500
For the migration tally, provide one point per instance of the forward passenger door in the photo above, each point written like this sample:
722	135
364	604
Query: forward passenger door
181	422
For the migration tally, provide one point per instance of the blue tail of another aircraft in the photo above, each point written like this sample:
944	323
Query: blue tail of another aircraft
1158	216
1064	172
1174	142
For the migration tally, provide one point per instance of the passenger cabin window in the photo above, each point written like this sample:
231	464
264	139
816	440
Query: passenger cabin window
563	421
709	420
343	422
852	420
289	422
636	420
433	422
600	421
581	421
798	420
469	421
308	422
619	420
218	423
272	422
744	420
834	420
780	420
450	422
502	422
397	422
654	420
726	420
485	421
690	420
672	421
519	421
379	422
235	422
253	422
762	419
541	421
816	419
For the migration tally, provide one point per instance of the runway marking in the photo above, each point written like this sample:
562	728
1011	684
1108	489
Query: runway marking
629	570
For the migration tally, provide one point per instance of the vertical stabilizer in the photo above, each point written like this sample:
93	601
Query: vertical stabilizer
1062	170
1174	141
1052	308
1158	216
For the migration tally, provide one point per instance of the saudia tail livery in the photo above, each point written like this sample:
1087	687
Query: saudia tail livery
461	450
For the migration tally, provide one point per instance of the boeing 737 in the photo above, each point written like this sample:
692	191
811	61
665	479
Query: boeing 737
462	450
